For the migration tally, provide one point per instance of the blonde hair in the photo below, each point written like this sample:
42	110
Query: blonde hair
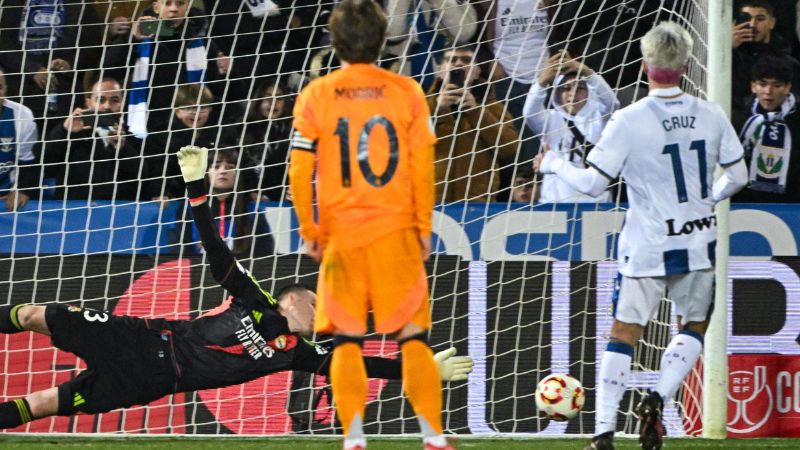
667	46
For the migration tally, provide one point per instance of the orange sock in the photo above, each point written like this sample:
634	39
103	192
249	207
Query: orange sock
423	385
349	384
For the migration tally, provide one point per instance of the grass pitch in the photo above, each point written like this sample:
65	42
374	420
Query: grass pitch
192	443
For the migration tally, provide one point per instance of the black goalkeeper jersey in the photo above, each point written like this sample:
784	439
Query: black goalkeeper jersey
245	337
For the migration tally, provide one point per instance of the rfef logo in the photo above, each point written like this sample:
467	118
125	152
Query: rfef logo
763	395
750	400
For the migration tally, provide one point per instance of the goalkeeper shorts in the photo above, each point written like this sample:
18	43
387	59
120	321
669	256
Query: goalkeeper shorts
636	300
387	276
127	363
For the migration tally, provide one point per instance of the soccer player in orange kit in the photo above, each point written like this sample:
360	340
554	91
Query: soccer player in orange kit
366	131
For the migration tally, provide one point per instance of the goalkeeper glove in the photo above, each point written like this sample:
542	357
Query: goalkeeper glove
453	368
193	161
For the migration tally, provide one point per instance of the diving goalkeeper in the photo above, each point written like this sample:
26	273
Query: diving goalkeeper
133	361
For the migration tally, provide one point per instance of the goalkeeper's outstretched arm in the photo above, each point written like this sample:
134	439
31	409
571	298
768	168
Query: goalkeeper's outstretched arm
224	267
316	359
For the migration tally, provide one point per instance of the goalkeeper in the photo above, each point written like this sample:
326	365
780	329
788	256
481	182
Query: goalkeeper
133	361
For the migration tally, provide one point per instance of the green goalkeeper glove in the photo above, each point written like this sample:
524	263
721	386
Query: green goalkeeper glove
453	368
193	161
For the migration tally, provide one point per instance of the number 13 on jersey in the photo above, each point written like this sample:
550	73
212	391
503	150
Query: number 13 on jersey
363	151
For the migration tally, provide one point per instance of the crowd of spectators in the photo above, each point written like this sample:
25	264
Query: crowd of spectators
98	95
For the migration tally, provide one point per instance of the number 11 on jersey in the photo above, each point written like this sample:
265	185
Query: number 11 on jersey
674	151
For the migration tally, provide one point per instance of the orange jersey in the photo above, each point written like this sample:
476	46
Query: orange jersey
366	132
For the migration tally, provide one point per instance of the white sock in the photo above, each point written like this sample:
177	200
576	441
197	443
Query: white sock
678	359
355	435
429	436
436	441
351	443
615	367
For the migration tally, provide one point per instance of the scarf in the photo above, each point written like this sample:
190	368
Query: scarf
196	63
261	8
767	140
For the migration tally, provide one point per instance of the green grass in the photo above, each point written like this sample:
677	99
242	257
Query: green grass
236	443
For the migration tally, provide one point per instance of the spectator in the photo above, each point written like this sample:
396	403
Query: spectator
245	231
117	17
770	137
605	33
47	42
418	29
90	155
524	188
512	51
476	135
18	137
194	122
515	39
267	38
266	138
580	106
178	54
753	38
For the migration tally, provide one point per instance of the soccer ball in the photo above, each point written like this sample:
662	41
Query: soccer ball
559	396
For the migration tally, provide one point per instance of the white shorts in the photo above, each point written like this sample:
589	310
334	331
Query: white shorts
636	299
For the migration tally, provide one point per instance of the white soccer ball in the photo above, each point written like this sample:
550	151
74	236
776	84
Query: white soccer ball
559	396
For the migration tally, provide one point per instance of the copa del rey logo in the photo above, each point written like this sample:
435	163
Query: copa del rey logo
750	400
763	395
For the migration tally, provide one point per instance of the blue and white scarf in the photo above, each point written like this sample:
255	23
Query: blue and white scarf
196	63
768	141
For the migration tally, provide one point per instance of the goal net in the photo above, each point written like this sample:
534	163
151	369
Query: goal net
524	288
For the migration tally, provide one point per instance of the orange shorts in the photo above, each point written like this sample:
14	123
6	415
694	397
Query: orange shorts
387	276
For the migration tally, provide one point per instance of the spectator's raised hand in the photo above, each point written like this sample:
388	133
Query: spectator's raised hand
42	77
537	160
116	137
137	28
16	200
59	64
742	33
468	100
119	26
223	63
551	66
450	95
74	122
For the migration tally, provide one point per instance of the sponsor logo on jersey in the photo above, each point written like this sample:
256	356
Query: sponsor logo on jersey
72	308
252	341
5	144
691	226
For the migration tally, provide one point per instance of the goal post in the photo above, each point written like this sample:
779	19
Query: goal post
715	355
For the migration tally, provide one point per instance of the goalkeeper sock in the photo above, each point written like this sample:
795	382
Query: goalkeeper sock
14	413
349	384
424	389
615	367
678	359
9	324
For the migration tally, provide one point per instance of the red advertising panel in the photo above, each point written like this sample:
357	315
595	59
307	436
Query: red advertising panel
764	396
